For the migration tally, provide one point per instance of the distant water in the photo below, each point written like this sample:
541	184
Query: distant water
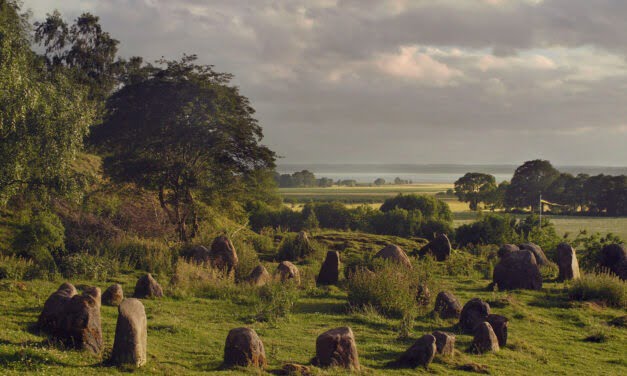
435	173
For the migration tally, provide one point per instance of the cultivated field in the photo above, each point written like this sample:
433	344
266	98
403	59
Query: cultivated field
374	196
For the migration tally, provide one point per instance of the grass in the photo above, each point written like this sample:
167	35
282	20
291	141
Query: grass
548	334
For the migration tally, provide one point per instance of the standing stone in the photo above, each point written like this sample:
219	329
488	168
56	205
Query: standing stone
337	348
259	276
447	305
567	262
499	326
485	340
95	293
147	287
54	308
440	248
421	353
243	348
507	249
286	271
614	258
113	295
445	343
395	254
199	254
81	327
330	270
474	312
223	255
537	252
518	270
131	334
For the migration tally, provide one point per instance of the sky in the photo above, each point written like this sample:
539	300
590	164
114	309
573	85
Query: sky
402	81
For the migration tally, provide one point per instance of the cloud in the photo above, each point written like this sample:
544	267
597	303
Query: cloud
400	80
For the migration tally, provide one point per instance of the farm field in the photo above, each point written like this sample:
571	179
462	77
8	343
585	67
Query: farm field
374	197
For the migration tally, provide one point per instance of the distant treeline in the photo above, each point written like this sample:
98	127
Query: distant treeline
537	180
307	179
403	215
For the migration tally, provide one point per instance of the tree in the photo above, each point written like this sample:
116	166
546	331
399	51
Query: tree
379	181
530	180
429	206
85	48
44	115
185	133
475	187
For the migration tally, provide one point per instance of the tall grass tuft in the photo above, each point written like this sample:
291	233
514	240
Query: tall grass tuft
391	288
602	286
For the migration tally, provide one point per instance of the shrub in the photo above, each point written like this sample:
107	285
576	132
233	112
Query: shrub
429	206
262	215
392	289
247	259
39	238
296	246
200	280
602	286
83	265
150	255
276	301
263	244
591	246
489	229
16	268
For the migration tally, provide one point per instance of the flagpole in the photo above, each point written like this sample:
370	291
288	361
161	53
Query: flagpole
540	211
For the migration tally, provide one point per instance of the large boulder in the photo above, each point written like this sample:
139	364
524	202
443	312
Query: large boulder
131	334
440	248
337	348
445	343
198	254
288	271
567	262
95	293
81	326
614	258
54	307
73	319
330	269
243	348
421	353
499	326
447	306
147	287
223	255
506	249
113	295
259	276
485	340
474	313
517	270
395	254
537	252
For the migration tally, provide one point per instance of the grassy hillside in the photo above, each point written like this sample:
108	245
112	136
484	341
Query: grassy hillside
547	332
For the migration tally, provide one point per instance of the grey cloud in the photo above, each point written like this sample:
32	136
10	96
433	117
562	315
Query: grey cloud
313	71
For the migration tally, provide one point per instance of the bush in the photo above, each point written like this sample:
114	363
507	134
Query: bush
428	206
262	216
392	289
489	229
262	244
276	301
200	280
591	246
16	268
247	259
149	255
39	238
296	247
83	265
602	286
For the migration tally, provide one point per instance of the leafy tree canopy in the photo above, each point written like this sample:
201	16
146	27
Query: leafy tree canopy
530	180
475	187
183	131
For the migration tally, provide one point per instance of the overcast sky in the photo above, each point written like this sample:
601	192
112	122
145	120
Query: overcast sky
402	81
